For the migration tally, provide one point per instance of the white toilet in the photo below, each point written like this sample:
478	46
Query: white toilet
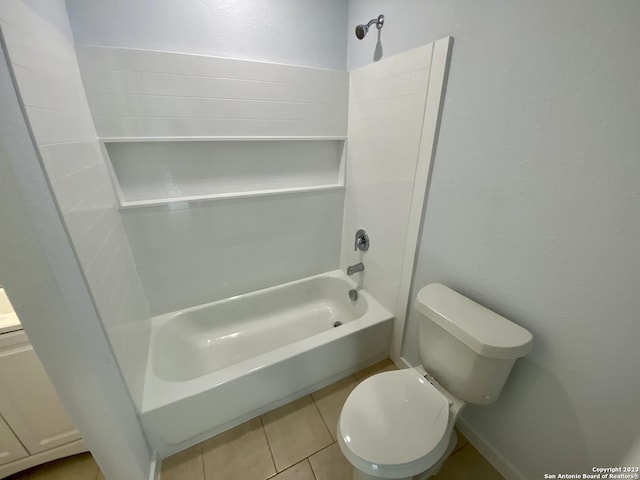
399	425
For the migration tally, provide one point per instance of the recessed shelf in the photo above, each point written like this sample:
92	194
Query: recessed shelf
189	169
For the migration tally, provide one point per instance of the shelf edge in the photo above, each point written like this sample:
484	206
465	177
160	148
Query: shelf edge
127	205
106	140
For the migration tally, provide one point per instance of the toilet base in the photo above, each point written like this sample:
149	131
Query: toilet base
453	440
358	475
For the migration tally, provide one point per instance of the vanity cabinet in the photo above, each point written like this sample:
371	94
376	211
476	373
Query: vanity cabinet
10	447
34	426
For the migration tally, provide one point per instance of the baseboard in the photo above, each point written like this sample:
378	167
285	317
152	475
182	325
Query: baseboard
495	458
402	362
155	468
62	451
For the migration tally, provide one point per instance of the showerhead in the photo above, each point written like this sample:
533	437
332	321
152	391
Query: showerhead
361	30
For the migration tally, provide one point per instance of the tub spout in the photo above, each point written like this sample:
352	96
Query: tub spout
358	267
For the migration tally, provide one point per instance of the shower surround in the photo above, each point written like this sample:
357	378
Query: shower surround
232	177
243	162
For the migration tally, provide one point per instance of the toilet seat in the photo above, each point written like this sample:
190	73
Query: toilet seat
394	425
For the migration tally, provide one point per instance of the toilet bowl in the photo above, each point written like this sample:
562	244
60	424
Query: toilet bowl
396	425
399	425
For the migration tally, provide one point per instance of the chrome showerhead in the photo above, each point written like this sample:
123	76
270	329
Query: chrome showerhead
361	30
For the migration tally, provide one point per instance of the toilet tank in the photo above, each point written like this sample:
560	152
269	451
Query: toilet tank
466	347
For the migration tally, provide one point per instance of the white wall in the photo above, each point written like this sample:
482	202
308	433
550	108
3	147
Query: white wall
49	83
190	254
142	93
215	249
534	210
296	32
40	271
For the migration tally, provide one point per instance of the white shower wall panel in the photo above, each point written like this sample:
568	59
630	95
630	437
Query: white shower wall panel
189	253
193	253
386	116
142	93
48	79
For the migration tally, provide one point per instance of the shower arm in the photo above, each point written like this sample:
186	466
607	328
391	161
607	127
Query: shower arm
378	22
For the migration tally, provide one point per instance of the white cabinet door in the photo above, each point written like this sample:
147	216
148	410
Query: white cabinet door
10	447
28	401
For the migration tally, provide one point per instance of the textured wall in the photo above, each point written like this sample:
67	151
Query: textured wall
534	209
296	32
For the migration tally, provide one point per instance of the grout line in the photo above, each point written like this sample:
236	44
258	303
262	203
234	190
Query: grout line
290	467
165	73
309	458
204	472
86	167
455	452
319	450
326	425
313	472
223	99
273	460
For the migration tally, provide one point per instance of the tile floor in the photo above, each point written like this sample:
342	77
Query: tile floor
294	442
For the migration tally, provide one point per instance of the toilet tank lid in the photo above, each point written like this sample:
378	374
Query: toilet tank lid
482	330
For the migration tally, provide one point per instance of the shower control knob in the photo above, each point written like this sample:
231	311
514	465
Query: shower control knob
362	241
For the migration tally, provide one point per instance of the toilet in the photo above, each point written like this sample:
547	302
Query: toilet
399	424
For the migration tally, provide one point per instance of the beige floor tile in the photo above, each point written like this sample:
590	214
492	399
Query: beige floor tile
77	467
295	431
185	465
383	366
462	441
300	471
465	464
241	453
330	464
331	399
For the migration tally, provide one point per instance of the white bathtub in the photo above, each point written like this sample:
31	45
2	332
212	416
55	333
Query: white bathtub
214	366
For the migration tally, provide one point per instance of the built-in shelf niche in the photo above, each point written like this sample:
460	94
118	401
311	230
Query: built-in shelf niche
149	172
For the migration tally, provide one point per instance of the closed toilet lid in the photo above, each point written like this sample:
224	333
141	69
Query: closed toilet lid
394	418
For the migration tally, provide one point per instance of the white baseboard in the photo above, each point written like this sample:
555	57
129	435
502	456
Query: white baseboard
154	470
495	458
402	362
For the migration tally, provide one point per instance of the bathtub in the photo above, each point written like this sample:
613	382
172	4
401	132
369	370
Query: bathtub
214	366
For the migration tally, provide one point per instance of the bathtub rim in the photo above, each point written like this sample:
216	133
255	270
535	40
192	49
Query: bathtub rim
159	392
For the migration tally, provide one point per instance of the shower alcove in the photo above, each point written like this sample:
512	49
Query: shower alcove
240	187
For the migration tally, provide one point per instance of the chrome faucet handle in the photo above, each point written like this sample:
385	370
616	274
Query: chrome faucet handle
362	241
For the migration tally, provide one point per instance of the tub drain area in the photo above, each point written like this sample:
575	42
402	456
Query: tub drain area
337	323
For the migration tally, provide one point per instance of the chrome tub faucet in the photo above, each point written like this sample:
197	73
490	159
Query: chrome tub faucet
358	267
